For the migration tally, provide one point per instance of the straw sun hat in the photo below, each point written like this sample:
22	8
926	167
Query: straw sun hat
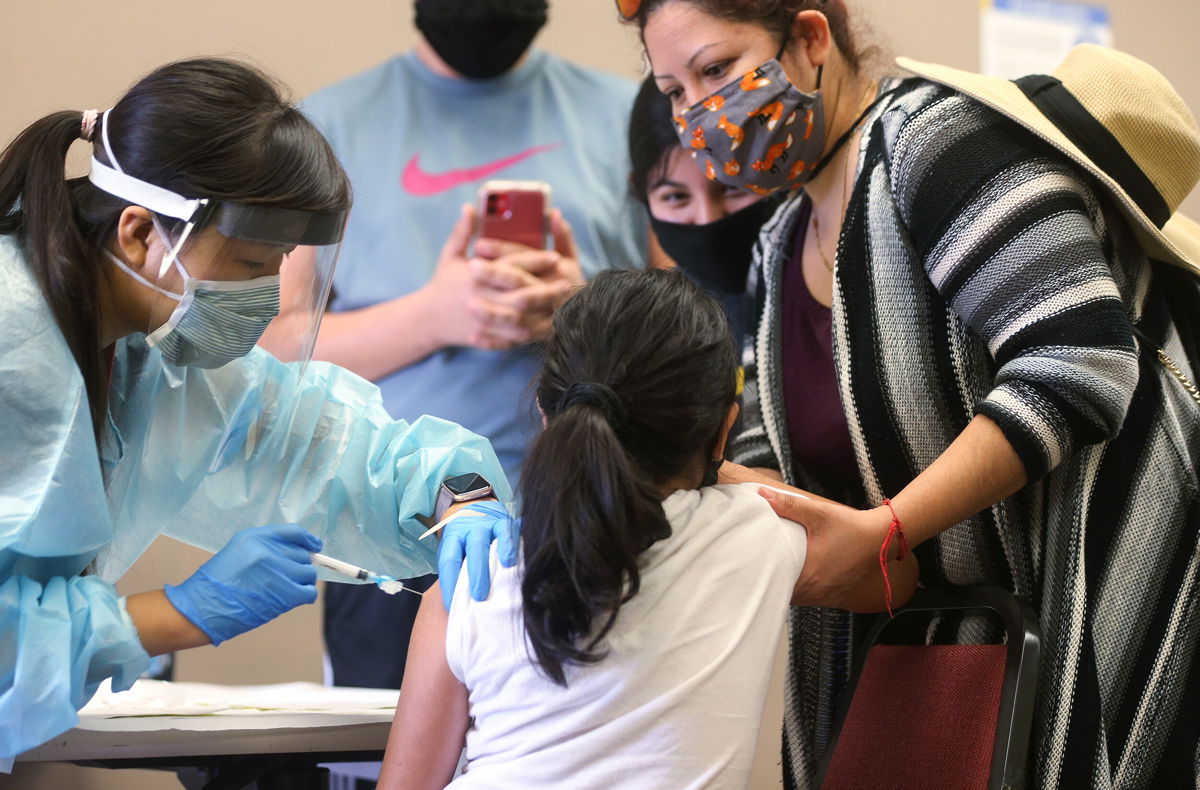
1121	121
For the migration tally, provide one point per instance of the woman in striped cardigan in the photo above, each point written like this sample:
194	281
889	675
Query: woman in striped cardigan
948	312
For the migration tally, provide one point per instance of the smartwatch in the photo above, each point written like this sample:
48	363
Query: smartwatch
463	488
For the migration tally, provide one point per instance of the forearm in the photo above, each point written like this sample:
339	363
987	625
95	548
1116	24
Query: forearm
729	472
160	626
459	506
379	340
842	568
978	469
735	473
769	474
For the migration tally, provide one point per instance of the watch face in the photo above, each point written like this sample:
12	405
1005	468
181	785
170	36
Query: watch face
466	484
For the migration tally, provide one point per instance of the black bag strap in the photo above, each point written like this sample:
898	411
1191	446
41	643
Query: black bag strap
1063	110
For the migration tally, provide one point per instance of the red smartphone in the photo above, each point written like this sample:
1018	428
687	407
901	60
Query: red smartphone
516	211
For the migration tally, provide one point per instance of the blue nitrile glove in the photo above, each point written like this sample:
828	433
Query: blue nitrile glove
261	573
471	536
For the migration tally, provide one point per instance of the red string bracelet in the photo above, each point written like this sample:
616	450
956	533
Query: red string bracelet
896	529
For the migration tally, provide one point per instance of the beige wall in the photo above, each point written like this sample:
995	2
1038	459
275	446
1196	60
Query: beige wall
58	54
1162	32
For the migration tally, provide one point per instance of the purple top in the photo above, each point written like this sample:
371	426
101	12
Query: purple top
816	424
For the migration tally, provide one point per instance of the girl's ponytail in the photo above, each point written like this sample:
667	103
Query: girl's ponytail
588	513
638	377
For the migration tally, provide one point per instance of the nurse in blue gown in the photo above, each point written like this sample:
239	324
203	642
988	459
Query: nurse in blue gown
134	403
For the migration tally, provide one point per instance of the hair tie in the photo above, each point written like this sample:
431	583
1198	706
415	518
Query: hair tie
593	393
87	126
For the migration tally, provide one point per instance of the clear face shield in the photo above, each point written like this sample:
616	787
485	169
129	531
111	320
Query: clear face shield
219	270
237	271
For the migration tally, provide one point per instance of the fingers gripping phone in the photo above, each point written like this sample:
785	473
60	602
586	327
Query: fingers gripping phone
517	211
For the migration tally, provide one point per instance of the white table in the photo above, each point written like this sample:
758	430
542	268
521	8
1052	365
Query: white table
227	736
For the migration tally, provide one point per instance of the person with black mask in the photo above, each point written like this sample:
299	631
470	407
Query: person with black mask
480	40
443	322
702	226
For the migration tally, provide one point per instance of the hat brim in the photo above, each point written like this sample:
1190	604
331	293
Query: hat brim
1179	240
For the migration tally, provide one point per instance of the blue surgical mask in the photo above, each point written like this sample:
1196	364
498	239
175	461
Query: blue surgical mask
216	322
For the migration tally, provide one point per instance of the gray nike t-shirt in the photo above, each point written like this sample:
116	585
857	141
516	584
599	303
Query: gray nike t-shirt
417	146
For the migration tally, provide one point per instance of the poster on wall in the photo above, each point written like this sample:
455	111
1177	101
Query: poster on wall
1019	37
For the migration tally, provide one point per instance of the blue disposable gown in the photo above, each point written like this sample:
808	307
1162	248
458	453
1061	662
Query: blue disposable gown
194	454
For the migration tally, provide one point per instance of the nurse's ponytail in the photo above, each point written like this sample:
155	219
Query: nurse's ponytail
37	202
208	127
639	375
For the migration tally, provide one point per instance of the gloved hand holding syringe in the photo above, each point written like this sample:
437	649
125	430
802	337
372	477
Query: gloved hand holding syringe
388	584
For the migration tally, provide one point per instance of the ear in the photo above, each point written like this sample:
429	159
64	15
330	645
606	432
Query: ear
810	31
727	426
134	233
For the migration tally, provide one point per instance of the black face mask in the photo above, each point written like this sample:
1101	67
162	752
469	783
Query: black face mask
480	39
717	254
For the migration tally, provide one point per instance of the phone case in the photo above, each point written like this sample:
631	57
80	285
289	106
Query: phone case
517	211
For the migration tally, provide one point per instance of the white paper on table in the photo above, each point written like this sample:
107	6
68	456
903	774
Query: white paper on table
207	706
1019	37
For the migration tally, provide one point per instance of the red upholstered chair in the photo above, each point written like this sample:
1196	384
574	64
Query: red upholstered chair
944	717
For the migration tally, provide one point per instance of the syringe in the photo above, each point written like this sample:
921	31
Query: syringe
386	583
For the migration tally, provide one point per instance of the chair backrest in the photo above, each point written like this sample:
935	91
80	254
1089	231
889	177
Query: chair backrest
921	717
944	716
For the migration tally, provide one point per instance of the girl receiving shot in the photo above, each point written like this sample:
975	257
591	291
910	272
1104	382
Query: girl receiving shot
631	645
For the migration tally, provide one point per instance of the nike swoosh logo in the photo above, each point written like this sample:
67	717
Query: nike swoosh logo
418	182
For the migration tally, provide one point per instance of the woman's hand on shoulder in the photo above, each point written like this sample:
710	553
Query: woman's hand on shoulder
841	569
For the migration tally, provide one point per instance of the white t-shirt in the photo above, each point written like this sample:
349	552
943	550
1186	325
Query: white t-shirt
678	699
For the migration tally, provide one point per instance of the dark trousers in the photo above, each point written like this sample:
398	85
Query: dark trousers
367	632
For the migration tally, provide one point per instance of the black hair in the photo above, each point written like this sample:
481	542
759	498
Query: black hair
777	17
211	128
651	137
638	377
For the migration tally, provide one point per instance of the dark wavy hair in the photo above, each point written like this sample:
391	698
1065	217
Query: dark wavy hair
777	16
648	372
211	128
651	137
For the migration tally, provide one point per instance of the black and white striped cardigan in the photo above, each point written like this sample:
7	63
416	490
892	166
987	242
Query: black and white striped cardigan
979	273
